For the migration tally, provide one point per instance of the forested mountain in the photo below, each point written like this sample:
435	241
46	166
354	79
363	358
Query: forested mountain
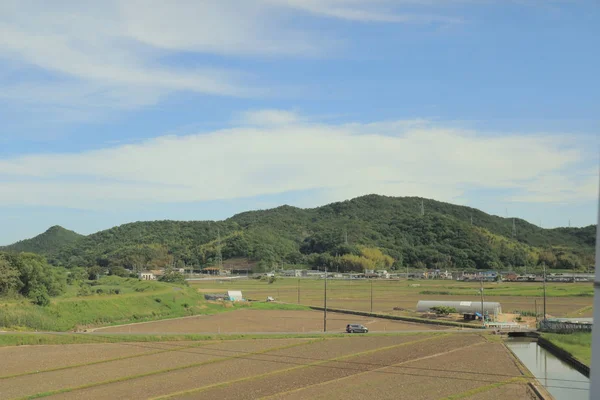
47	243
338	235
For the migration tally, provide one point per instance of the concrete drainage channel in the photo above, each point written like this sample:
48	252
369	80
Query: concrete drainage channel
558	376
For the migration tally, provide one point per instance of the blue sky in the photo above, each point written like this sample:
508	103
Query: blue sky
119	111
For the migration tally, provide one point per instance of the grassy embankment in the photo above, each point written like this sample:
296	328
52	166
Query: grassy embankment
578	344
137	301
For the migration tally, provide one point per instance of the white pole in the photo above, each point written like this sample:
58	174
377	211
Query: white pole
595	370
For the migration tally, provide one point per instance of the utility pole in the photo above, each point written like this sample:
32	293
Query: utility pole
544	265
325	304
298	291
535	307
422	208
595	372
371	294
482	313
345	237
219	255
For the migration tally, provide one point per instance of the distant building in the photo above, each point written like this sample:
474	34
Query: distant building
146	276
235	295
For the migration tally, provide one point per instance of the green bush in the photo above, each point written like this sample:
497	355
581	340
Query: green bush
443	310
39	296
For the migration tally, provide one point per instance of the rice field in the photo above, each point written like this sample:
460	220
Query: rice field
434	365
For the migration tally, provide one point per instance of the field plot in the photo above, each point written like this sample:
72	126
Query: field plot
564	299
411	366
248	321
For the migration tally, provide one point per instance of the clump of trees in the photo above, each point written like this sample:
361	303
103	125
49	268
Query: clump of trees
31	276
443	310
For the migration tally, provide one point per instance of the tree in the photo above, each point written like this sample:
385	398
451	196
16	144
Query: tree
95	272
9	278
119	271
77	275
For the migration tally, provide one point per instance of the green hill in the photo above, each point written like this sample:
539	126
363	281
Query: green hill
446	236
47	243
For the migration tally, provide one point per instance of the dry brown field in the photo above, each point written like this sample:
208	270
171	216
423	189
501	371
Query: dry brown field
253	321
562	300
422	365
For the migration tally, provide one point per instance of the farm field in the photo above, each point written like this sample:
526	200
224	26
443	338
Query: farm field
423	366
563	299
249	321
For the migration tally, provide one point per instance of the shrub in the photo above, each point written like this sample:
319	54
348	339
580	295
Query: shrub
84	290
158	300
99	291
39	296
443	310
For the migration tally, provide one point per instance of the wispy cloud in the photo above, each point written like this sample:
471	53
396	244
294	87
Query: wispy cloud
91	56
343	160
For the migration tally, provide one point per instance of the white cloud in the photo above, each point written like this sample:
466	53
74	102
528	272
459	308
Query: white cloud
269	117
123	54
393	158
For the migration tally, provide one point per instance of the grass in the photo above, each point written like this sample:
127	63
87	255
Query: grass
578	344
139	301
310	288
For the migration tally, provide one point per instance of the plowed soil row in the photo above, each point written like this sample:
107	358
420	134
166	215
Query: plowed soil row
39	359
243	367
247	321
332	370
447	374
88	375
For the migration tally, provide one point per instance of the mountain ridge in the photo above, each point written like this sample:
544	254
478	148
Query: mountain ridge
443	237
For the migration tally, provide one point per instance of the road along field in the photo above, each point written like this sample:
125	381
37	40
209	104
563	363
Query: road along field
249	321
563	299
408	366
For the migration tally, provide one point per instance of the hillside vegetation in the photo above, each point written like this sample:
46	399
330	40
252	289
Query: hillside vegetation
47	243
351	235
110	300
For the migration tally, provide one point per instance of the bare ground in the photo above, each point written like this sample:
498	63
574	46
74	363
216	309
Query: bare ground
247	321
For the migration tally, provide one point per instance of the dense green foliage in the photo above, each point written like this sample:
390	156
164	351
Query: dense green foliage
31	276
47	243
340	235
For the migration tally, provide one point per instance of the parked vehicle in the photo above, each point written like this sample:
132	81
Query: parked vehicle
356	328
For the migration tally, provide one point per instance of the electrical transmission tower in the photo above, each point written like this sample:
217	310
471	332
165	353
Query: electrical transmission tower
219	256
422	208
514	230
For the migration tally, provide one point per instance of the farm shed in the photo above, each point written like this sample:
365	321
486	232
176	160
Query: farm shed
492	308
235	295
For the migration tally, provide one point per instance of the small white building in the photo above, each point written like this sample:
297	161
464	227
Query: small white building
235	295
383	274
147	276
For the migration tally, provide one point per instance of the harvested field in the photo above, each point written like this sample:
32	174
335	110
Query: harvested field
240	368
145	364
424	365
413	366
248	321
18	360
564	299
